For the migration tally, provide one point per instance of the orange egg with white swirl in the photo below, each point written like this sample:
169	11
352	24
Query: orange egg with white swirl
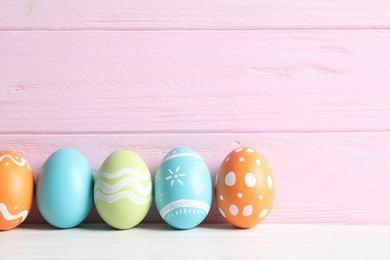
16	189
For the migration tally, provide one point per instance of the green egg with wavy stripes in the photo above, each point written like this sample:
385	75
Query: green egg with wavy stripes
123	190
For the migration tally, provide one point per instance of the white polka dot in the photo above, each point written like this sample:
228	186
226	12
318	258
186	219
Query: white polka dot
6	164
269	182
260	197
220	197
227	159
242	159
258	162
263	213
222	213
230	179
233	210
248	209
239	195
250	150
238	150
15	207
250	179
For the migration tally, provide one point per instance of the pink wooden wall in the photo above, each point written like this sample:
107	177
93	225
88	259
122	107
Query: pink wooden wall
305	82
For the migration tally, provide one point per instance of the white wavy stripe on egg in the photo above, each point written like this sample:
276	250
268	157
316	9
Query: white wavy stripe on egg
180	155
8	216
109	189
124	171
112	198
184	203
22	162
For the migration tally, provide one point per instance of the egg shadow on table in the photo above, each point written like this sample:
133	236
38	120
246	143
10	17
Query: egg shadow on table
44	226
217	226
157	226
97	227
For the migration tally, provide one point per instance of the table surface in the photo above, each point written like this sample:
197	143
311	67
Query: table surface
207	241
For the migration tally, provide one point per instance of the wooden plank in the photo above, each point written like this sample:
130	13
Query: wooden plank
319	177
193	15
194	81
154	241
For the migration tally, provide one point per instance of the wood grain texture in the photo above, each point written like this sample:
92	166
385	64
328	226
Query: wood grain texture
157	241
191	81
306	82
190	15
319	177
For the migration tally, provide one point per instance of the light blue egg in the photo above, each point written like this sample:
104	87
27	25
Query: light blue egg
183	188
65	188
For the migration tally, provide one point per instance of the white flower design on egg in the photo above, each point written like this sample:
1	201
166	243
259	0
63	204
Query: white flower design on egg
174	176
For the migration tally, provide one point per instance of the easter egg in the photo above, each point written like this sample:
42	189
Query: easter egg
123	190
183	188
16	189
65	188
245	188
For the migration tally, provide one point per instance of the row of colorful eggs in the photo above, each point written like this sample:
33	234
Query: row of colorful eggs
122	190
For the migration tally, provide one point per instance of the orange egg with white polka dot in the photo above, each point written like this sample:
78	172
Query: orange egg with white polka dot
16	189
244	188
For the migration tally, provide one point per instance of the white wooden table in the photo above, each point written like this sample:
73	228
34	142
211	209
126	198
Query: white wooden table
208	241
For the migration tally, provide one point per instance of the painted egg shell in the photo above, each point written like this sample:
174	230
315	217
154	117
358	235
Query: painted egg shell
244	188
123	190
65	188
183	188
16	189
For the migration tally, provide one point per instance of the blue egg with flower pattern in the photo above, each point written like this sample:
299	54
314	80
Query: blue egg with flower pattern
183	188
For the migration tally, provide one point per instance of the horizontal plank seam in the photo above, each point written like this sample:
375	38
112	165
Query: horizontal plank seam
110	133
102	29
